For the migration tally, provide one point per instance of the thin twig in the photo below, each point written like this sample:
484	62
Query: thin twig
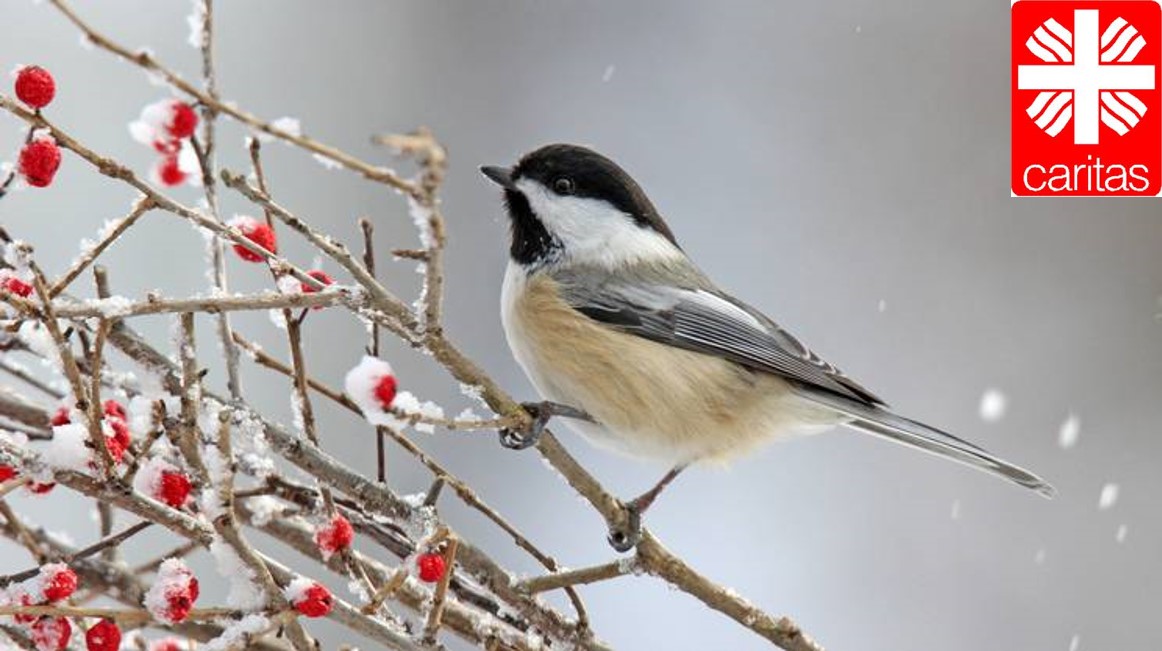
147	62
592	574
380	296
141	206
100	545
369	262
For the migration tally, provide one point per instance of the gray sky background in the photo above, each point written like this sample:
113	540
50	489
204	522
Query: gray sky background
816	159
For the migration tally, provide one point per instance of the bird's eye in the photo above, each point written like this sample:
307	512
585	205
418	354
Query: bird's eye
563	185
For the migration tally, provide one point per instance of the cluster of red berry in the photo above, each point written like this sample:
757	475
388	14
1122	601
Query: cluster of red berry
165	126
55	583
41	156
175	589
336	535
262	234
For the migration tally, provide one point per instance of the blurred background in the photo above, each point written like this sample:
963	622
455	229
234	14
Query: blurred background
841	165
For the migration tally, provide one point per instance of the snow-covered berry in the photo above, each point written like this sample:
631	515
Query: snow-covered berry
59	582
103	636
309	598
175	488
54	582
39	161
115	409
117	439
168	171
431	566
167	146
35	86
114	425
385	390
40	488
321	276
167	644
258	232
164	122
163	481
51	633
25	600
372	385
62	416
334	536
15	284
173	593
182	122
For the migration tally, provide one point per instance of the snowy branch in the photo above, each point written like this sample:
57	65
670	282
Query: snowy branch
145	435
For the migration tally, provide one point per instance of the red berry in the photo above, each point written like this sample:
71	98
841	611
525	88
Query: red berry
335	536
51	633
11	283
167	146
6	472
173	593
35	86
114	408
174	488
168	172
183	121
37	488
319	275
60	582
385	390
168	644
61	417
181	602
315	601
260	233
431	567
103	636
25	600
39	161
120	441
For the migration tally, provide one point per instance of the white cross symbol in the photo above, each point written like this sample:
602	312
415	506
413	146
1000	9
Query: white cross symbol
1086	77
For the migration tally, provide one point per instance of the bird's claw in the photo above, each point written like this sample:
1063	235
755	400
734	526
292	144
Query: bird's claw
541	412
625	535
516	440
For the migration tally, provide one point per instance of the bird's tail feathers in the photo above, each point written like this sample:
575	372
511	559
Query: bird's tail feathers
883	423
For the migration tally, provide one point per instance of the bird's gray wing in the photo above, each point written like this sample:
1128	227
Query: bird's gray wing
699	318
709	322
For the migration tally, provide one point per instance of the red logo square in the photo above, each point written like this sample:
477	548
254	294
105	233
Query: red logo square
1087	98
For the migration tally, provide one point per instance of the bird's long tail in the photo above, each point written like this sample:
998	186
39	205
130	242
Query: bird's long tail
881	422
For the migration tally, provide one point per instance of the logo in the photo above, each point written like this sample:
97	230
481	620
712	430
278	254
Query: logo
1087	98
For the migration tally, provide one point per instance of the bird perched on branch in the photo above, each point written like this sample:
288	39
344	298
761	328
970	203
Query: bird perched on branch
622	333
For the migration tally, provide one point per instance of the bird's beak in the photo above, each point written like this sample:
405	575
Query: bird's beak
501	176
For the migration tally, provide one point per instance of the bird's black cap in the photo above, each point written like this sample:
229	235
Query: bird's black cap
582	172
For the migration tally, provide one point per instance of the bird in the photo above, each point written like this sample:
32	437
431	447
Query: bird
625	337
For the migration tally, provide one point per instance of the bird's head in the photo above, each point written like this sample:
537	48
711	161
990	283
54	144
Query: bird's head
570	203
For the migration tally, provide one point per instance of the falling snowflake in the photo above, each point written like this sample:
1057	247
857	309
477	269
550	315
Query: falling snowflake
992	405
1109	496
1069	432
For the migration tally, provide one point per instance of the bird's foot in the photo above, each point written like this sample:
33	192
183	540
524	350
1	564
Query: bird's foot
625	535
541	413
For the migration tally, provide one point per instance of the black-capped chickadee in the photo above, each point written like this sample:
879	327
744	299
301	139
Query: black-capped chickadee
620	331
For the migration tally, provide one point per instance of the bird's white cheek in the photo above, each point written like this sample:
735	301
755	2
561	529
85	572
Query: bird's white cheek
595	232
